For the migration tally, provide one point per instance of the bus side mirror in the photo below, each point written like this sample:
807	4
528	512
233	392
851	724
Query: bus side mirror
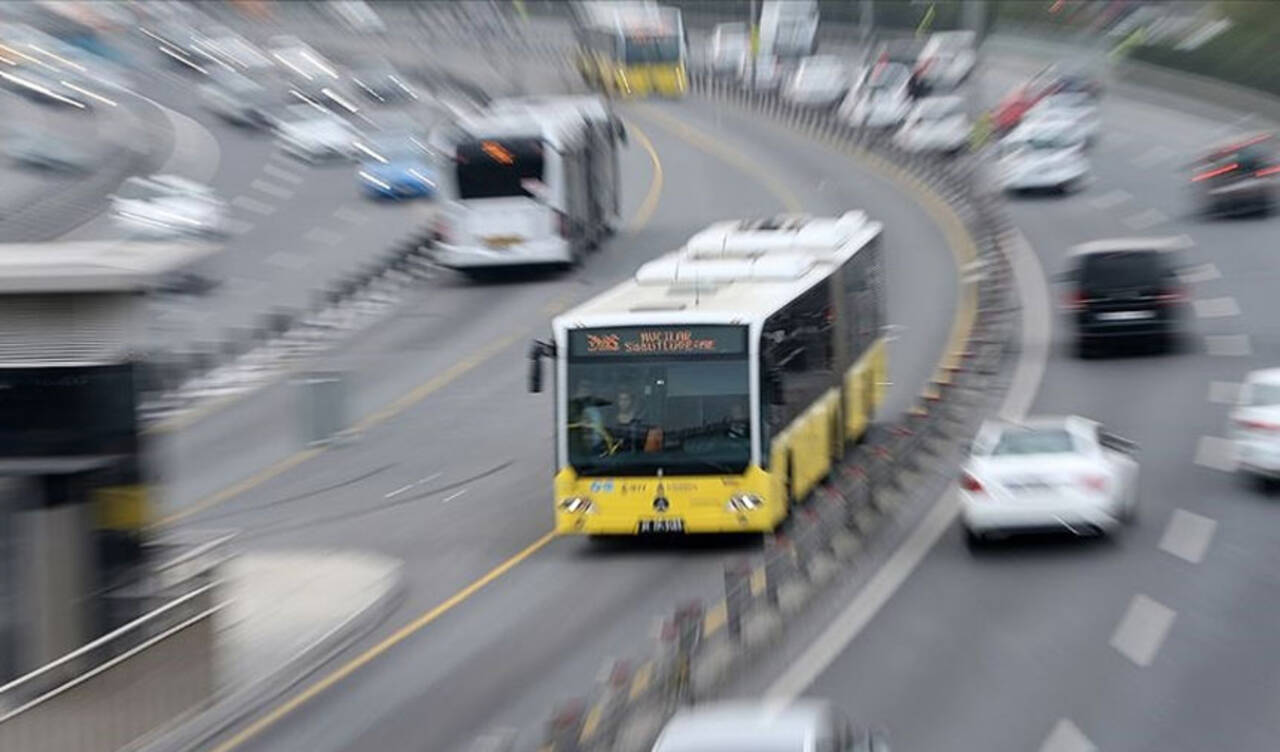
536	353
620	130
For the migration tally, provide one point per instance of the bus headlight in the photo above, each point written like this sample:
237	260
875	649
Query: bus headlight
577	505
744	502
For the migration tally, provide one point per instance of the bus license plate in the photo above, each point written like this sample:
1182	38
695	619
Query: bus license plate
674	525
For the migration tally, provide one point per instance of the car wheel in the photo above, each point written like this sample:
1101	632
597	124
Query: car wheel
1085	349
974	540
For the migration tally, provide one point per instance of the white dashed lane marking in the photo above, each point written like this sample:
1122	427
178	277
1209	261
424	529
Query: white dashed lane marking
237	226
271	189
286	260
281	174
1187	536
1224	392
1216	308
1217	453
322	236
1234	345
1111	199
253	205
350	216
1146	220
1152	157
1201	273
1143	629
1065	737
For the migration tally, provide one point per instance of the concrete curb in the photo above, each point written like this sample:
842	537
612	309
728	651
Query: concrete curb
239	704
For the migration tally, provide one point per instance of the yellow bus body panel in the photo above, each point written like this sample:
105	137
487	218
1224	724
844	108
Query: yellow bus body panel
650	80
700	501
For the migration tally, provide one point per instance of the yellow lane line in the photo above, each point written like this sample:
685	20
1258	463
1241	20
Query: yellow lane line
715	619
650	203
641	681
400	635
700	140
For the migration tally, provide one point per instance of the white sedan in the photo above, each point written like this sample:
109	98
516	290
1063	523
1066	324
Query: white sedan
1047	474
1074	112
1255	425
883	100
312	133
1041	156
819	81
168	206
936	124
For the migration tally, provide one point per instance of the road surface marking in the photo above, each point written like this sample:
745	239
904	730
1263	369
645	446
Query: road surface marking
236	226
1142	630
281	174
1029	370
1216	308
1233	345
1216	453
1147	219
285	260
351	216
400	635
1110	199
253	205
452	496
1200	273
650	203
1224	392
1066	737
271	189
1152	157
697	138
1187	536
398	491
322	236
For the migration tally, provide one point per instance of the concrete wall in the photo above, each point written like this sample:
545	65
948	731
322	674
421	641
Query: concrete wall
117	704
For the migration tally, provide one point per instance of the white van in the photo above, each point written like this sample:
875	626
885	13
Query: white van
534	182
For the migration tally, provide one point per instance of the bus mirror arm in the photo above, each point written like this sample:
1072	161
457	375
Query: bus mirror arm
621	130
537	351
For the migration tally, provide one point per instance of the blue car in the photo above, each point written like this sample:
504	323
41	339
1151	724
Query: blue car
399	169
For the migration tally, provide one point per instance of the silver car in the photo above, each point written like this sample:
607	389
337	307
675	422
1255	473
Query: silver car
761	726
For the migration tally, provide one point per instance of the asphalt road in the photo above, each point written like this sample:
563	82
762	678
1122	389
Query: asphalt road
457	481
1158	639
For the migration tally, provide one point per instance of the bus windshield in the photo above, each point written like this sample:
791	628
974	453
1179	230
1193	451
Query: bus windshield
644	399
648	50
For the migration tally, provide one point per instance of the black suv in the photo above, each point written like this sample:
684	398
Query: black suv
1125	290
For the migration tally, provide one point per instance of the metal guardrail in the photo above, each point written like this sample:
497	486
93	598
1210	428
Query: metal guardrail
699	647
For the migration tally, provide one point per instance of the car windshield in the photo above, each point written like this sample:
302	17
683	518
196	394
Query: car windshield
673	399
397	148
1120	269
1262	394
1021	441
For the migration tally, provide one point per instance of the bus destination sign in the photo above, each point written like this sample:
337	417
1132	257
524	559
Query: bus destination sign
658	340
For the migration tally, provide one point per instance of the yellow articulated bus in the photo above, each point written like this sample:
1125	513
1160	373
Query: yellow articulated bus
632	49
720	385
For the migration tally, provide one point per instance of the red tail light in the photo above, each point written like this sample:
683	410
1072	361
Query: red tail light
1265	171
1076	301
1095	483
1256	425
1171	297
562	224
970	483
1223	170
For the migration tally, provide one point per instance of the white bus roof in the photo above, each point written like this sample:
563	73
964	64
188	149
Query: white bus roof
731	272
591	107
557	127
